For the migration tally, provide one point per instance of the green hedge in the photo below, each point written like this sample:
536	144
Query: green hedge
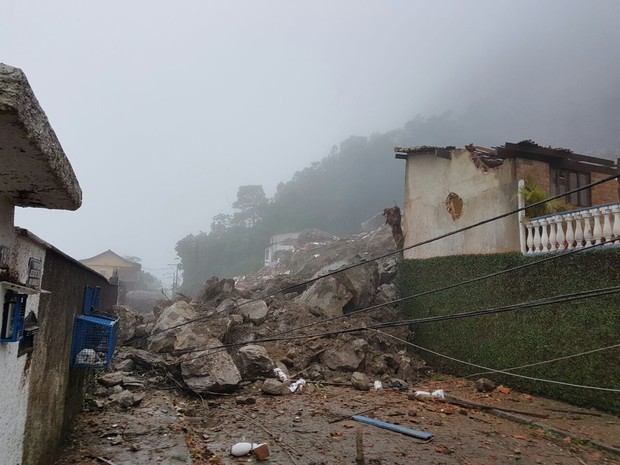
525	336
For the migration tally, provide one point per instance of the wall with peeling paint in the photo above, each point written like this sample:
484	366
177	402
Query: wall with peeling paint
429	180
15	377
56	391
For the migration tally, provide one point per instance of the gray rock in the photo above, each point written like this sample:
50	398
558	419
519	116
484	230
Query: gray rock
275	387
111	379
360	381
128	321
485	385
348	358
255	311
386	293
210	370
328	295
125	365
167	326
126	399
253	361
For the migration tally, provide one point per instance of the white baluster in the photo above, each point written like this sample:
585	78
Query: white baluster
607	231
552	234
578	231
536	225
587	228
530	238
544	235
561	238
616	229
597	232
570	235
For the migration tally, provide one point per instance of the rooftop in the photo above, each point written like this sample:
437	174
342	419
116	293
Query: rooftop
34	170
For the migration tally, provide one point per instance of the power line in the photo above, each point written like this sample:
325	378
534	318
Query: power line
453	316
363	262
544	362
531	378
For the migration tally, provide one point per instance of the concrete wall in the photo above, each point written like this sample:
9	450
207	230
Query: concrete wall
56	390
485	194
15	379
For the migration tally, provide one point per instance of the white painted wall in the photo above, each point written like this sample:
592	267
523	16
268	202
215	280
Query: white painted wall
14	375
276	243
428	182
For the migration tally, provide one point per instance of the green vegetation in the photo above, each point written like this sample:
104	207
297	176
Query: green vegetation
354	182
525	336
532	193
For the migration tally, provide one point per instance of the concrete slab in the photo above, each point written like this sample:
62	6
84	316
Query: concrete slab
34	170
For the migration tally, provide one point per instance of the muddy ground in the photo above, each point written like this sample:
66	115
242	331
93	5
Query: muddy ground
171	427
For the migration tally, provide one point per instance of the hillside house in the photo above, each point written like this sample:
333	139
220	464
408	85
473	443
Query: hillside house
41	288
448	188
279	246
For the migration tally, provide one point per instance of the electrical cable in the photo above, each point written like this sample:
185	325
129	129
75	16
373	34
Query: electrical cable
582	386
558	359
452	316
363	262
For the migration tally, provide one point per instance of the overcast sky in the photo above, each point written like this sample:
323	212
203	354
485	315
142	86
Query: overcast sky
165	108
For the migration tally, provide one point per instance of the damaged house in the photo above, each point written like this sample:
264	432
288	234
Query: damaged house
41	289
451	188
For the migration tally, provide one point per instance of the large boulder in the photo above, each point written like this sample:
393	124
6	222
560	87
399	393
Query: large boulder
253	310
215	291
253	361
128	321
169	324
210	370
328	295
348	358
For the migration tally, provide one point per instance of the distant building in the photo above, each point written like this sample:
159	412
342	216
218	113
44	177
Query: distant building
116	269
279	246
41	289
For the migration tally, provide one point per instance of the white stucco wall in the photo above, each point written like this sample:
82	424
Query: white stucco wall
428	182
14	378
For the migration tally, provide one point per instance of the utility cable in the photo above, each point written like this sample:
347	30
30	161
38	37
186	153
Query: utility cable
531	378
544	362
363	262
453	316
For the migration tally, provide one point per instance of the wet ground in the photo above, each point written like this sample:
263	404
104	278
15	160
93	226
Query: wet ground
170	427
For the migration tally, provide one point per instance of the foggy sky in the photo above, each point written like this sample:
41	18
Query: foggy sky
165	108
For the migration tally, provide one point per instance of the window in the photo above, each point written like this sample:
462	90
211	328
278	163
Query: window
562	180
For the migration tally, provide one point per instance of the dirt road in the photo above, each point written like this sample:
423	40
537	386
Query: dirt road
169	427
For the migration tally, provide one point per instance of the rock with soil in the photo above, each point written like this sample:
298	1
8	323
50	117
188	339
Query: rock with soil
253	310
215	291
253	361
128	321
275	387
210	370
347	358
327	295
169	324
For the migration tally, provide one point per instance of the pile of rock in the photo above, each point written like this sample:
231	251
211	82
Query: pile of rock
290	318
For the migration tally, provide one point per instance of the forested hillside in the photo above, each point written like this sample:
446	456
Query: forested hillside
351	184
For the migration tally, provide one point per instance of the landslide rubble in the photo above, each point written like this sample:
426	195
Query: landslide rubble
301	316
